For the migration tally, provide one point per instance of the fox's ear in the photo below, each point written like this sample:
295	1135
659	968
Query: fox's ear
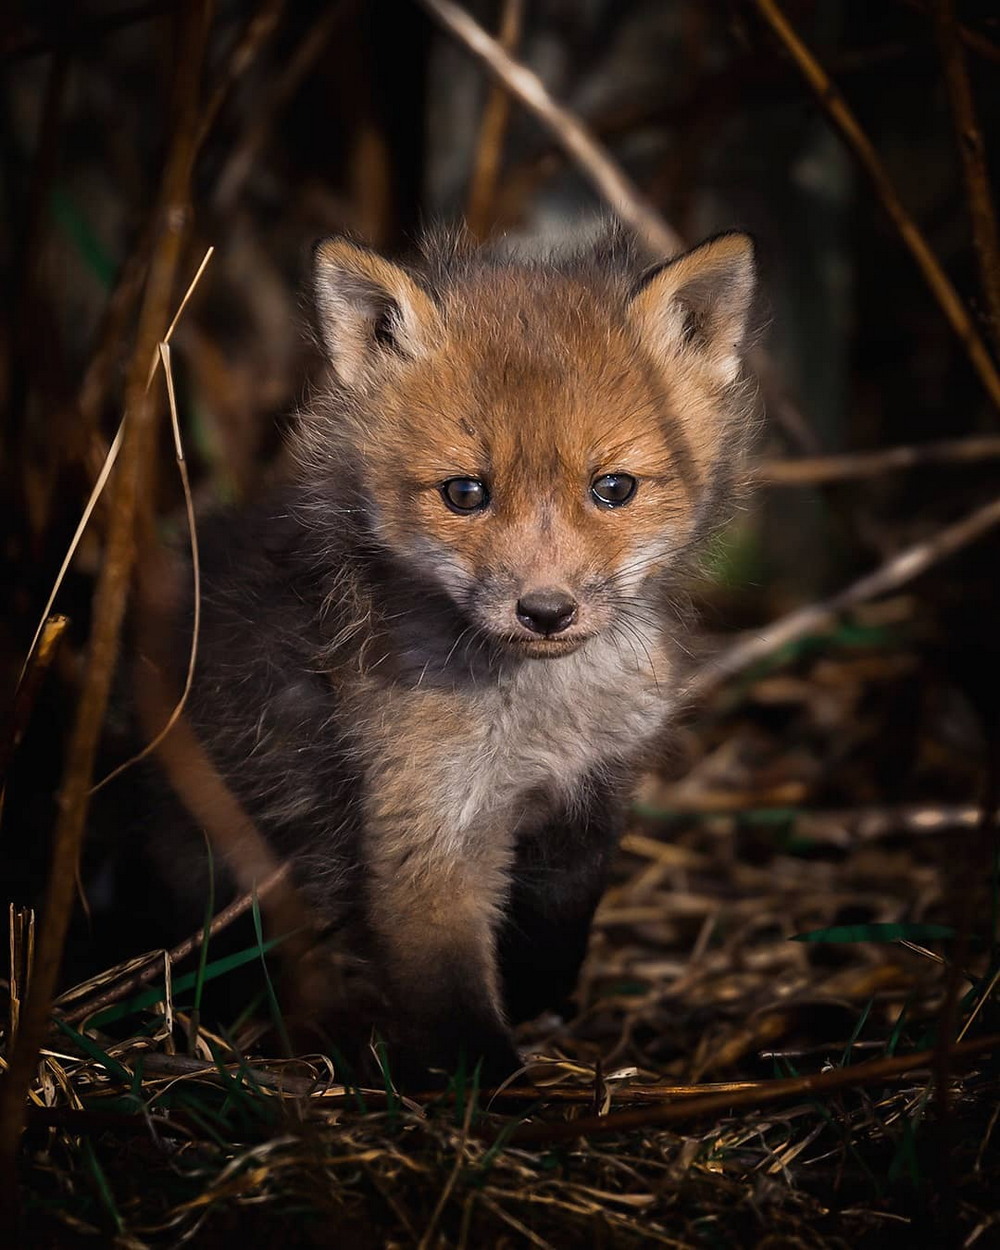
699	303
371	312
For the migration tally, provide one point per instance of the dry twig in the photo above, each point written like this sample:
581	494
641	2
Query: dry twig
872	1072
895	572
240	160
572	135
119	989
847	125
257	32
815	470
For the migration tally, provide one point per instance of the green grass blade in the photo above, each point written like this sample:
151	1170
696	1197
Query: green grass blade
199	983
213	970
104	1193
845	1058
87	1044
272	997
878	933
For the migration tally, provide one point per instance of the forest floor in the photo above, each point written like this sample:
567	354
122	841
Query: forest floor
756	1060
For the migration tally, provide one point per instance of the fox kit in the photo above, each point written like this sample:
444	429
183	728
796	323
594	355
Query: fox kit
431	665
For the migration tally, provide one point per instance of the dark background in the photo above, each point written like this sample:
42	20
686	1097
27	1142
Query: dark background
801	795
365	117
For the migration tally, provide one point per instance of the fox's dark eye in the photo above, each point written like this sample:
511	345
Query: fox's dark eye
465	494
614	489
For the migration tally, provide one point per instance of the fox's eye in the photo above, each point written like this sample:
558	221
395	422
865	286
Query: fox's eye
614	489
465	494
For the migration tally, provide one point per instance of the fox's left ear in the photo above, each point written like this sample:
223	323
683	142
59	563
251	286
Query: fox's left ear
699	303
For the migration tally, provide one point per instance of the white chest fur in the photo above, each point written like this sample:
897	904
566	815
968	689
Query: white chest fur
550	724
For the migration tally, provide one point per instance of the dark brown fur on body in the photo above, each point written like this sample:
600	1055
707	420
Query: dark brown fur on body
448	775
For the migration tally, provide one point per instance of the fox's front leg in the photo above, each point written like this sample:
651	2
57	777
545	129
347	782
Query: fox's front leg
435	896
559	875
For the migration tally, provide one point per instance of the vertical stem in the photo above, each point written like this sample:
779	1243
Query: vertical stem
109	604
496	114
861	146
972	149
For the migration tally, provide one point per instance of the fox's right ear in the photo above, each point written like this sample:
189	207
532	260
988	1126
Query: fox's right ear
371	312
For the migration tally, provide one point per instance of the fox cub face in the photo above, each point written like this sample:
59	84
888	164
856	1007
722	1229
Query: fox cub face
541	441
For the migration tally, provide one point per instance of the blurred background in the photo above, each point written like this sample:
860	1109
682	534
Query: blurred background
313	118
842	786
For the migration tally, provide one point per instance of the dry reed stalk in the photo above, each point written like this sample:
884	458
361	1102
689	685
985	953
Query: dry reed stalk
480	210
110	598
850	130
972	150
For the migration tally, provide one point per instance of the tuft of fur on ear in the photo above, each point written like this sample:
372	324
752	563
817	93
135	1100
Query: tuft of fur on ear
699	304
371	312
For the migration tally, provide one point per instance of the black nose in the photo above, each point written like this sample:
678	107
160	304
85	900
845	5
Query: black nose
546	611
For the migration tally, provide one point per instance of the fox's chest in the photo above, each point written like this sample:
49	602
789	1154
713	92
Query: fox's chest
554	724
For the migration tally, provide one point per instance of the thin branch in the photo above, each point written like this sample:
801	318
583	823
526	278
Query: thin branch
979	43
971	38
972	149
240	160
872	1072
109	605
571	134
815	470
182	950
847	125
257	32
489	150
896	572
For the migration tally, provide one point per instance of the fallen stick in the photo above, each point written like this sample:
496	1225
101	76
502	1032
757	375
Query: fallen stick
871	1072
